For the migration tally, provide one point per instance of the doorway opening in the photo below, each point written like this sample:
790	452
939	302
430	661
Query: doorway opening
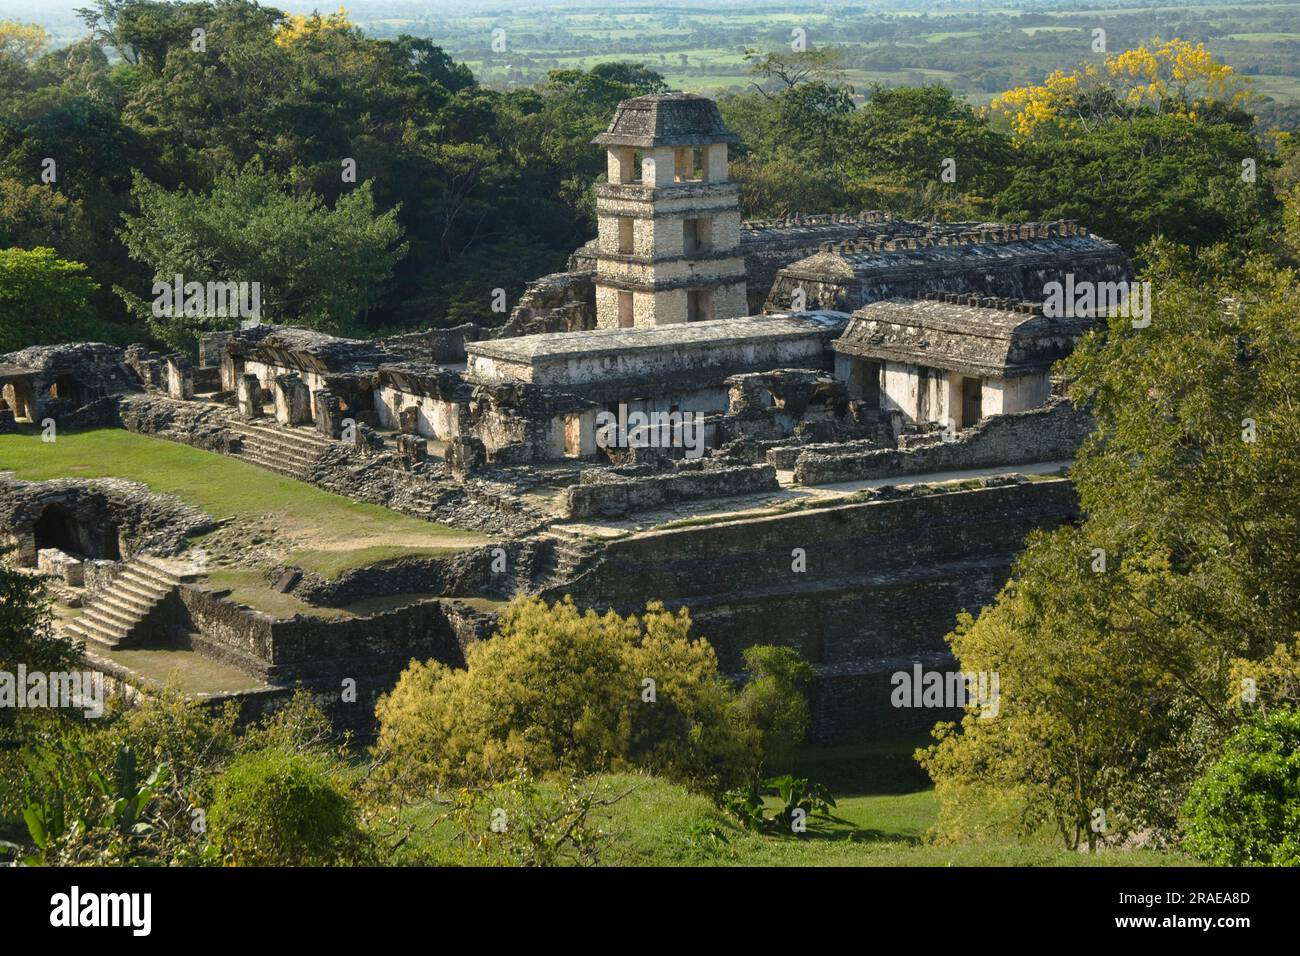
972	401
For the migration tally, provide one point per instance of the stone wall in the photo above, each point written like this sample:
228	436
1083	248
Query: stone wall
610	495
68	382
1010	261
202	426
442	346
883	581
377	478
560	302
313	654
316	648
466	573
1051	433
94	518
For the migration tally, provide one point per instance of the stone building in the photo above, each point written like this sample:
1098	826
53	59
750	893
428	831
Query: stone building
953	359
53	381
986	259
656	369
816	350
668	219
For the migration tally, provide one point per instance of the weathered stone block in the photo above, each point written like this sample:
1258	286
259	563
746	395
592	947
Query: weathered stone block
408	420
63	566
329	414
99	573
412	449
180	377
366	440
248	396
465	456
292	400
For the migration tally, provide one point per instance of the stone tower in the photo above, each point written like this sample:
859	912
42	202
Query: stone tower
668	246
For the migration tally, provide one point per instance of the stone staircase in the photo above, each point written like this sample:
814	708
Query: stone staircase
287	451
116	615
561	562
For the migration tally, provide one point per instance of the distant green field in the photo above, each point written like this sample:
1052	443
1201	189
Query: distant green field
978	51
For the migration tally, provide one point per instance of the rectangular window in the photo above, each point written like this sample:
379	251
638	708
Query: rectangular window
697	235
688	165
972	401
699	305
626	316
625	233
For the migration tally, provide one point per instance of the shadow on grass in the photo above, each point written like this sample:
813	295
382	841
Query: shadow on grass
885	767
846	831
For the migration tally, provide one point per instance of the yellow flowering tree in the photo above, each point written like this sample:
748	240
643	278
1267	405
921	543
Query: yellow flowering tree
23	42
295	27
1172	77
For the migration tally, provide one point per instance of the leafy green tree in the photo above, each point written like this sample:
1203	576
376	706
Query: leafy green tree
1181	179
26	624
910	132
33	214
46	300
21	44
1115	639
774	698
27	638
1245	811
784	184
316	266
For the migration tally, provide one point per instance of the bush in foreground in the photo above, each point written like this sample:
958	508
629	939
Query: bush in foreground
272	808
1245	811
557	689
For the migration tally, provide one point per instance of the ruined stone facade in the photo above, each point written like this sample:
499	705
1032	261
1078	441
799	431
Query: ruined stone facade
987	259
953	359
891	353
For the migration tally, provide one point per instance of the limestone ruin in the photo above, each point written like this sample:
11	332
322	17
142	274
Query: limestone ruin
871	394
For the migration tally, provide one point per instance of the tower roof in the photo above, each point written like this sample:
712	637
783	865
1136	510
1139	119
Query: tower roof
667	119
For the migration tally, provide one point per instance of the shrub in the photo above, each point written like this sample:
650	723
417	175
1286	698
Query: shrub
558	689
272	808
774	699
1245	810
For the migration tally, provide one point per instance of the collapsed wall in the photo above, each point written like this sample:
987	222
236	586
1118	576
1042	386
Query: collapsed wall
93	518
1051	433
609	494
303	648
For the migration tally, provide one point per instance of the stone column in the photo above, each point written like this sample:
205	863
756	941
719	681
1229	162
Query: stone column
180	378
465	456
292	400
412	450
249	396
231	369
329	416
408	420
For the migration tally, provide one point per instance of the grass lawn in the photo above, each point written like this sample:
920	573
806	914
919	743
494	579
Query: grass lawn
186	670
248	586
885	807
320	531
